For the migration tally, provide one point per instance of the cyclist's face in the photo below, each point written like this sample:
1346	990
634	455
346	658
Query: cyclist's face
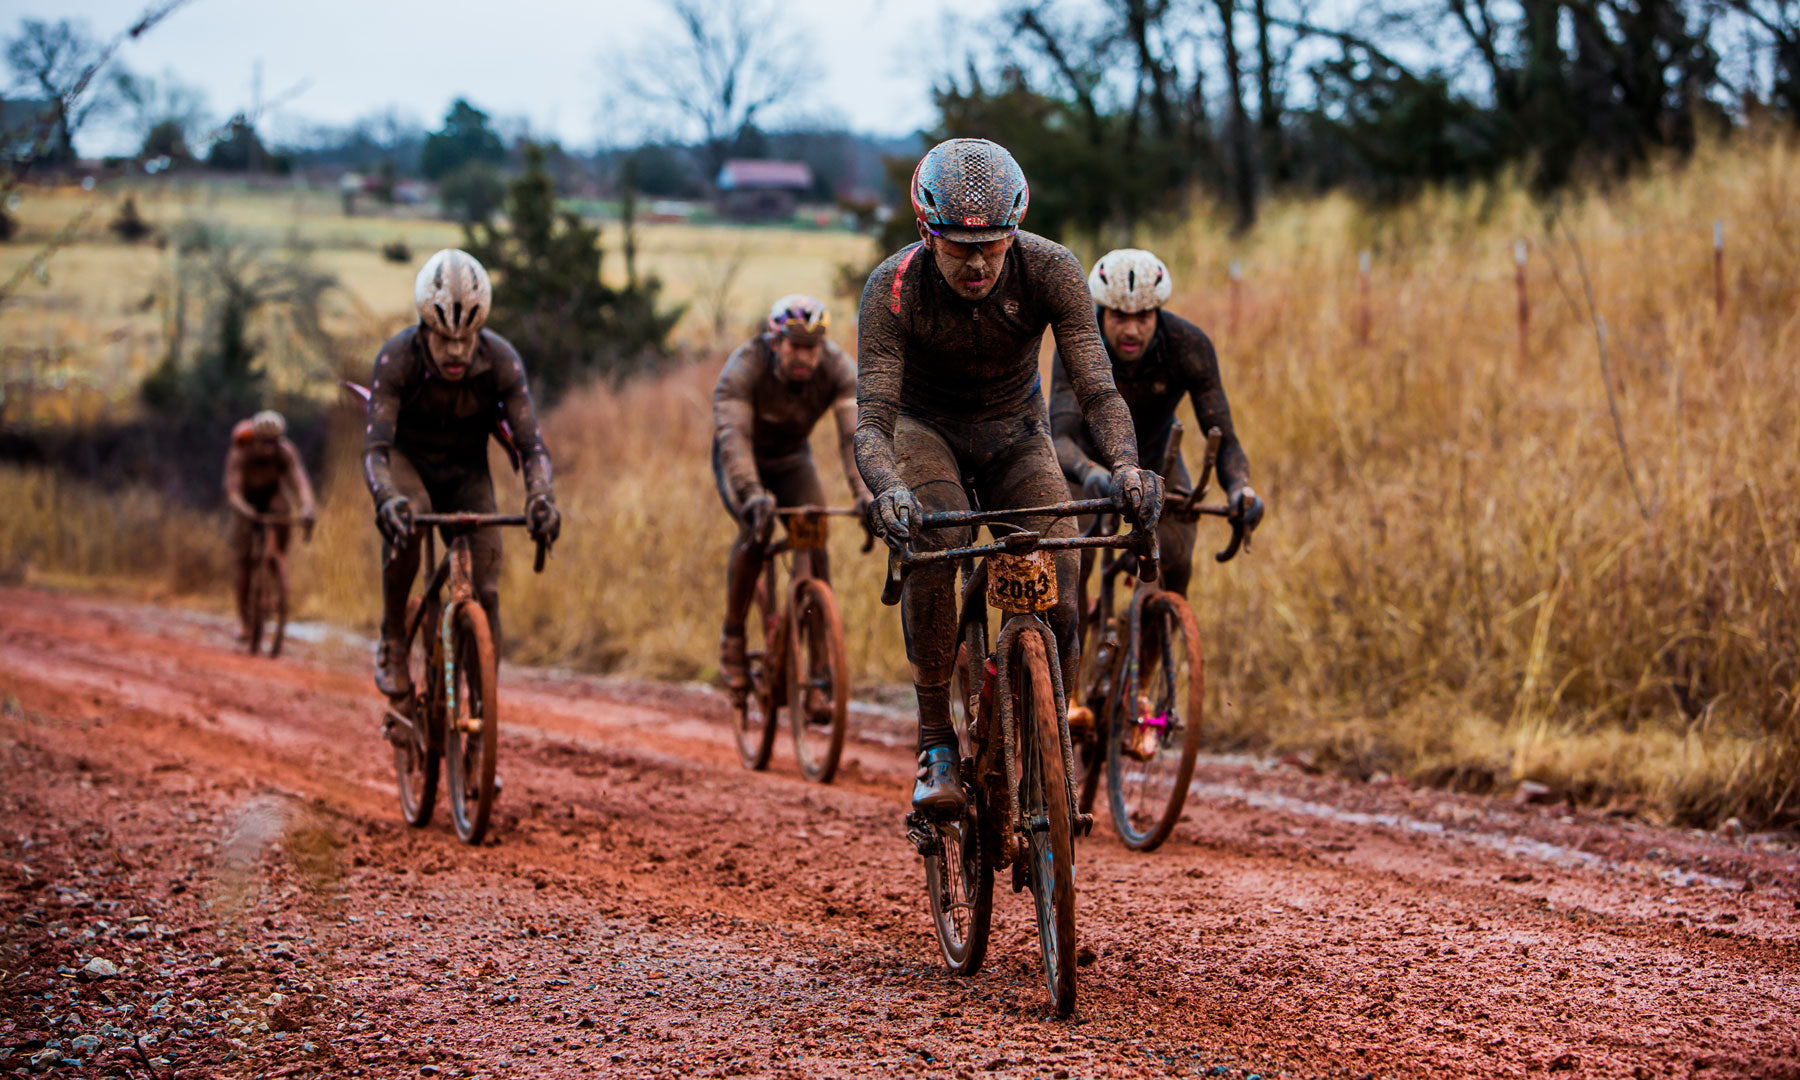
1128	333
796	360
971	269
451	355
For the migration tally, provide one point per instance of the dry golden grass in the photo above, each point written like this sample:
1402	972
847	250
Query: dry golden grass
1456	581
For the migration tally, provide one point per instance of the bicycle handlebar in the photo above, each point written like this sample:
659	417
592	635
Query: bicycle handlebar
832	511
480	521
902	561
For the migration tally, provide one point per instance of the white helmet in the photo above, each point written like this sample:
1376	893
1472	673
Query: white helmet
268	424
453	294
1129	280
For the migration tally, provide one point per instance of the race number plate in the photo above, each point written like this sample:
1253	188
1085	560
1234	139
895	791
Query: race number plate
1022	582
807	532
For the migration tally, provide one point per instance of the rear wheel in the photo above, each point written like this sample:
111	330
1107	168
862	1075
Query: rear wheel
1044	799
1153	740
416	755
472	730
818	681
753	711
959	876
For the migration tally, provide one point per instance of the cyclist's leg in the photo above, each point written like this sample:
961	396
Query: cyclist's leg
743	567
242	533
928	612
1021	470
399	565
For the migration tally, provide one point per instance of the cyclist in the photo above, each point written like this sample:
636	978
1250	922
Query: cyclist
948	388
263	475
1157	358
772	392
441	387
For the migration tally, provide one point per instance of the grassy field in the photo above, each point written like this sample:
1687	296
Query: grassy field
1480	565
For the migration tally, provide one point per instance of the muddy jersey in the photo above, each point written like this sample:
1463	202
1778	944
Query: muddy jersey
1178	362
924	351
763	423
257	469
443	425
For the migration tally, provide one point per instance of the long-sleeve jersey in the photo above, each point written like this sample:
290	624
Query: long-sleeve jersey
762	420
924	351
443	425
1178	361
256	469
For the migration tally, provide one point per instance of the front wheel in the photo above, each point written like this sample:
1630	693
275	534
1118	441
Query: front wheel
1154	737
472	735
818	681
1044	801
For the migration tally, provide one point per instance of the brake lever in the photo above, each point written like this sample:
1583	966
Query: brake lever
543	552
1239	539
896	576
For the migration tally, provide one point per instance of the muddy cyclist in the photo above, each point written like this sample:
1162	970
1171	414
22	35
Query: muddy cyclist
441	389
263	476
949	389
1157	358
774	389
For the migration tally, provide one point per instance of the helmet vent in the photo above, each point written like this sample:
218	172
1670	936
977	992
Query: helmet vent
456	309
442	319
1131	279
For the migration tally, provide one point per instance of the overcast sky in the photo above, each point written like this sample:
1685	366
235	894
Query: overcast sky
535	59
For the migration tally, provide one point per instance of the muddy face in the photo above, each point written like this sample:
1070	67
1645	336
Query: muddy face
797	359
971	269
1128	332
451	356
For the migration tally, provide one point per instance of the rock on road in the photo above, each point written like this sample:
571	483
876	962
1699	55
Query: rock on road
221	833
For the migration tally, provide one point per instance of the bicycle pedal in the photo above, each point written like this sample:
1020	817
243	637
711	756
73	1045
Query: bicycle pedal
1084	824
923	834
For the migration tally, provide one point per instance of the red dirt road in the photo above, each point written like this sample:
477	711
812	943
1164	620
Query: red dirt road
222	832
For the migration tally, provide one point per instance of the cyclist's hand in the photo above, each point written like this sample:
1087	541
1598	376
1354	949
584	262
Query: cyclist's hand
895	513
395	519
759	514
542	519
1246	508
1096	484
1142	492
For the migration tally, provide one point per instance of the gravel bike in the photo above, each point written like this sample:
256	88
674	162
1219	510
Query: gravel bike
794	653
266	603
454	709
1008	706
1143	681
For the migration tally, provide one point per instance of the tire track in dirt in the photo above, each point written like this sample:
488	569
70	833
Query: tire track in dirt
648	907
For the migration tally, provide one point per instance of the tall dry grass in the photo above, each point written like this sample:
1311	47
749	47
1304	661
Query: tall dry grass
1478	566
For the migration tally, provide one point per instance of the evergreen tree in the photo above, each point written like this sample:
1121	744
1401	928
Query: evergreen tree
549	299
466	137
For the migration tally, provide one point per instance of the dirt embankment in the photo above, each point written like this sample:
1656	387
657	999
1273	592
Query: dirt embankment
219	834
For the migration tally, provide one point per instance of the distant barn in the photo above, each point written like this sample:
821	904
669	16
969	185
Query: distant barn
762	190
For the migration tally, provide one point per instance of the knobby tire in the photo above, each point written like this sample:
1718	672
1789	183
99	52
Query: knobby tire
1146	804
1051	841
473	755
815	630
753	716
960	877
416	764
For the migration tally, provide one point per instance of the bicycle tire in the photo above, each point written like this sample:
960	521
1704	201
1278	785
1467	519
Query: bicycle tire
471	760
1143	822
754	713
961	872
1044	794
276	572
253	602
416	762
816	631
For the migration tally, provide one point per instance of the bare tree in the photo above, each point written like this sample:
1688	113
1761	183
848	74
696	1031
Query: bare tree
54	61
723	65
167	115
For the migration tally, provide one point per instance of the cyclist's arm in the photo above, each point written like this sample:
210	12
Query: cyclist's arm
234	482
734	417
880	365
843	413
1065	426
386	386
521	414
296	471
1084	358
1207	392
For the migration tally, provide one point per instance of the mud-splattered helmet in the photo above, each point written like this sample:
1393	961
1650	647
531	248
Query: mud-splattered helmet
799	317
1129	280
970	191
453	294
268	424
